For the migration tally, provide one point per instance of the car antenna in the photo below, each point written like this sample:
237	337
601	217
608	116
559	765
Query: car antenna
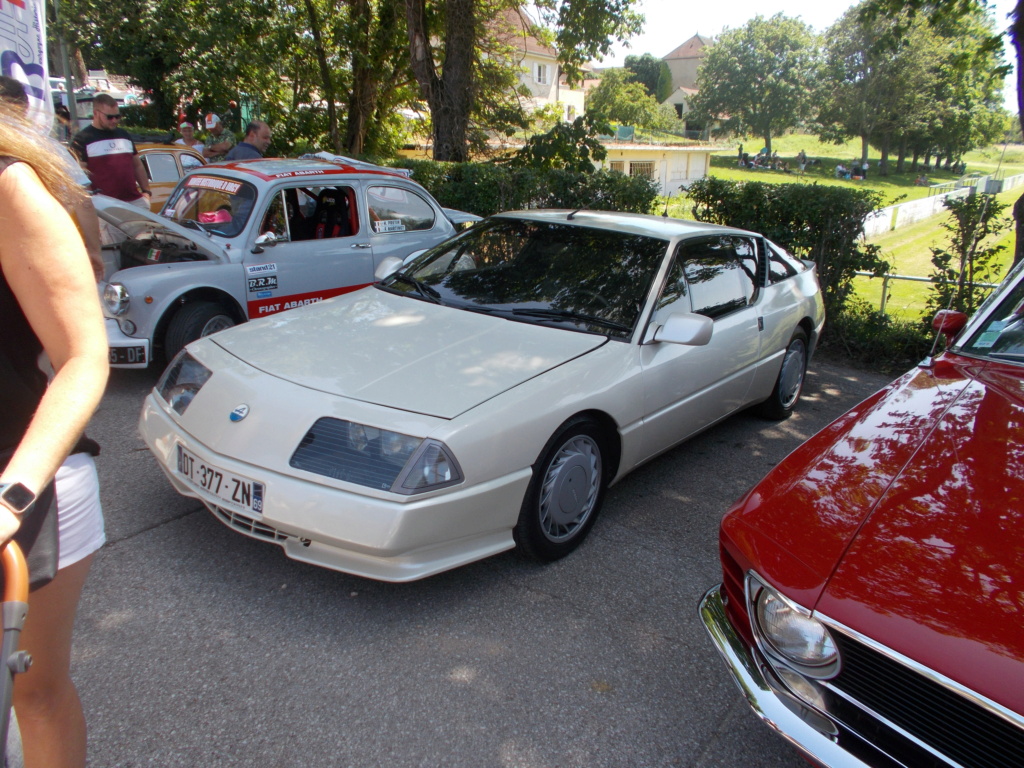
664	214
569	217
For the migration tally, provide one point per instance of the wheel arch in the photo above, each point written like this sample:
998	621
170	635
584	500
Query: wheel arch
610	438
202	293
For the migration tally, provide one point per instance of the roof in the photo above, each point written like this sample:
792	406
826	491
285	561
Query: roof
513	26
271	168
632	223
691	49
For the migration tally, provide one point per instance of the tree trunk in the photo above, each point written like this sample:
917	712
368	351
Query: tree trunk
363	97
883	163
451	95
325	75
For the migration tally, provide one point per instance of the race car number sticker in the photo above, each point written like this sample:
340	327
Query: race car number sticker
389	225
262	283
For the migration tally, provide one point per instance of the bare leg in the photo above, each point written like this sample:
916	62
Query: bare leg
45	699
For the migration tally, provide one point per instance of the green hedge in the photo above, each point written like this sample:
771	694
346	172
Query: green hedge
811	221
486	188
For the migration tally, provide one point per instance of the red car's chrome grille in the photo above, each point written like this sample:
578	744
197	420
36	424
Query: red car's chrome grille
247	525
964	732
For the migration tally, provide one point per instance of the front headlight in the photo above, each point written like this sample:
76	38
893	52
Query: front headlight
792	633
116	298
375	458
182	380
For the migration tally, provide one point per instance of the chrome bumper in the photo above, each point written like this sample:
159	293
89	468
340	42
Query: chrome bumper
817	737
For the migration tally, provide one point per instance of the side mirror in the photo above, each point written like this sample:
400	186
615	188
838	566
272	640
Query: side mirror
684	328
268	239
387	267
949	322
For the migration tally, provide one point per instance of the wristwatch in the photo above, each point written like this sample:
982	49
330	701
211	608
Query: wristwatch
16	497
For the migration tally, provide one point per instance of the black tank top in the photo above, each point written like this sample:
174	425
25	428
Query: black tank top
22	381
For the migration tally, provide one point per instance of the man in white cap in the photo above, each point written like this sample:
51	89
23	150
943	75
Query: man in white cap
219	141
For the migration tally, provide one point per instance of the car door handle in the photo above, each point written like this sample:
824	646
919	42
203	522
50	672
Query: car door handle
360	245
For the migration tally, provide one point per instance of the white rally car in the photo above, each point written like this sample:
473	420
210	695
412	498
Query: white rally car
242	240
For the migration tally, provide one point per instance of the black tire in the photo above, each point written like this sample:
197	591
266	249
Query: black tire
193	321
565	494
786	394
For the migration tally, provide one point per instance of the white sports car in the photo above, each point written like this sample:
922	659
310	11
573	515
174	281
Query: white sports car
484	395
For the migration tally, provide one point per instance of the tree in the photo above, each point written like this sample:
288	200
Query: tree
759	76
875	86
447	38
652	73
943	14
618	99
568	146
968	260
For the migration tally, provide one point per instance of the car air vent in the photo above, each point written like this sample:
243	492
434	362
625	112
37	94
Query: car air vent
966	733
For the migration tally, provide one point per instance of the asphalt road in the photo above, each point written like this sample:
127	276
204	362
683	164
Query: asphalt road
196	646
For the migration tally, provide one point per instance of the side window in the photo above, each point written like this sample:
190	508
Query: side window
780	264
394	209
276	219
721	274
320	213
160	166
188	162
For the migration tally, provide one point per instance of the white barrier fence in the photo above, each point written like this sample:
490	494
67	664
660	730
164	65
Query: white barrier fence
903	214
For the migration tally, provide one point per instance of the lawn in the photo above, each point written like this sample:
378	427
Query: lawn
907	249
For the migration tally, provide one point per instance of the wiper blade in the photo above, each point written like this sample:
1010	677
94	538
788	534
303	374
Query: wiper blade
565	314
422	289
191	224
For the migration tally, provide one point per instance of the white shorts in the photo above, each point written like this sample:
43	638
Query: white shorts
79	515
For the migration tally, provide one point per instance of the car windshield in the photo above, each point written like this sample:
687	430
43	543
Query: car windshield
212	203
1002	334
585	279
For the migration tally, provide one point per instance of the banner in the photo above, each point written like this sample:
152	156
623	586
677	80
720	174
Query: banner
23	54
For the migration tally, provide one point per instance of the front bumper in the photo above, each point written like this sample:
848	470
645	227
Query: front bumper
820	739
359	534
126	351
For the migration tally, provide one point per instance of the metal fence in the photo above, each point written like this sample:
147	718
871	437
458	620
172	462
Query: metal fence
887	279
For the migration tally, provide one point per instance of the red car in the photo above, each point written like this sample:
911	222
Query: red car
872	604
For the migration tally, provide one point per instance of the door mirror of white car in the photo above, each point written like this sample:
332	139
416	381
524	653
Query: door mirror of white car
267	239
683	328
387	267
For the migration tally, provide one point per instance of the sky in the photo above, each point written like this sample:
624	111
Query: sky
670	23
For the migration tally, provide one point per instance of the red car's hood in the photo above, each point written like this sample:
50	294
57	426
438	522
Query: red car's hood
937	569
800	519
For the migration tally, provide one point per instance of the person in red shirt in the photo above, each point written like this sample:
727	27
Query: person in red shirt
108	154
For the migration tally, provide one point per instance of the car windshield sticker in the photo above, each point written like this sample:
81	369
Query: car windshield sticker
208	182
261	269
262	283
389	225
990	335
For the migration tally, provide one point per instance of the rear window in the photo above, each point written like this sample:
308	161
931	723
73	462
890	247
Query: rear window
396	209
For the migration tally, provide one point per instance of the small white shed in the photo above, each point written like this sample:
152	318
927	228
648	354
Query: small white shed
672	166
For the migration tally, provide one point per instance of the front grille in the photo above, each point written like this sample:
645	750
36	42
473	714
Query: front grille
734	592
247	525
965	732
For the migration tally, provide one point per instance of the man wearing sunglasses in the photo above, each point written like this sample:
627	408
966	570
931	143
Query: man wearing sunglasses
107	152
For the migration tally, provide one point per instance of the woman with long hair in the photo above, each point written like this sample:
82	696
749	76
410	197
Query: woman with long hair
48	304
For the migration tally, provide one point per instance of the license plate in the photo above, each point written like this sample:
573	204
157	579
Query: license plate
227	486
131	355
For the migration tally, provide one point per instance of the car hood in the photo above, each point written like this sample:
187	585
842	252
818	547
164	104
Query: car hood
133	220
402	353
936	571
